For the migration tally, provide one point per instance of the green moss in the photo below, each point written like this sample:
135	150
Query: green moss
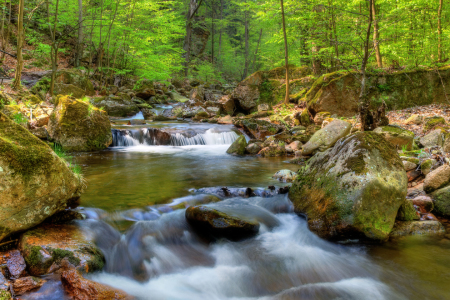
433	121
407	212
35	257
396	131
356	164
98	262
413	160
426	165
59	254
5	295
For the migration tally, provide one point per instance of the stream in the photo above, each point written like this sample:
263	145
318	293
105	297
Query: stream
133	199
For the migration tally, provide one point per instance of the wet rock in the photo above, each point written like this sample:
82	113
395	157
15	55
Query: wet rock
257	129
227	105
78	126
34	182
353	189
417	228
326	137
146	90
246	96
414	120
80	288
437	179
15	264
26	284
285	175
177	97
136	122
397	136
225	120
432	122
441	199
413	175
409	165
424	203
253	148
275	149
45	247
238	147
120	105
434	138
221	224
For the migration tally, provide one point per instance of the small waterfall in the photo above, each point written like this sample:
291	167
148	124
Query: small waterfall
156	137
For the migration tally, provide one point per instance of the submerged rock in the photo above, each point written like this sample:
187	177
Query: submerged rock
238	146
417	228
285	175
46	246
327	137
79	126
397	136
34	182
352	189
80	288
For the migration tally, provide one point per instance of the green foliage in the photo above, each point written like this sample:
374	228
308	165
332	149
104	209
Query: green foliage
206	72
19	118
58	149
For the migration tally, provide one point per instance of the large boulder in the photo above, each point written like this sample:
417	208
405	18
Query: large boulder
397	136
353	189
66	81
434	138
79	126
68	89
246	96
145	90
238	147
120	105
441	199
327	137
417	228
46	246
34	182
437	179
257	129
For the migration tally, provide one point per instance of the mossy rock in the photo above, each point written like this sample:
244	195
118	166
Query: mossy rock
433	122
257	129
79	126
441	199
353	190
238	146
46	246
34	182
407	212
399	137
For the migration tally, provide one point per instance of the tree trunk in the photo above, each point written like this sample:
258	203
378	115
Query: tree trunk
20	39
54	45
193	8
79	53
376	36
286	57
220	30
100	47
212	34
364	101
256	51
247	47
441	4
3	33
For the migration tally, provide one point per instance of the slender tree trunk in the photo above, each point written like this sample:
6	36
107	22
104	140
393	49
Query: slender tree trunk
286	57
100	47
193	8
212	33
79	53
109	35
364	101
247	47
220	30
376	36
20	39
54	45
256	51
441	4
3	32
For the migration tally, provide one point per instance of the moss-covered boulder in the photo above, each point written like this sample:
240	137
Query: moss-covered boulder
120	105
145	89
68	79
417	228
238	146
441	199
407	212
397	136
257	129
79	126
44	248
327	137
34	182
354	189
433	122
68	89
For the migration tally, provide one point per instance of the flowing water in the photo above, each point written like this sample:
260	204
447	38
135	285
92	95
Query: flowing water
135	204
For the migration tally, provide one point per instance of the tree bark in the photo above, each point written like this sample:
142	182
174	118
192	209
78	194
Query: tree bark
212	33
54	45
286	57
20	39
79	53
220	30
3	33
364	101
256	51
193	8
247	46
441	4
376	36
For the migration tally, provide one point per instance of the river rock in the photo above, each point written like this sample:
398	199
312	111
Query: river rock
238	146
34	182
427	165
275	149
397	136
146	90
119	105
253	148
353	189
326	137
79	126
15	264
225	120
197	94
417	228
414	120
432	122
26	284
80	288
434	138
285	175
441	199
437	179
257	129
46	246
409	165
221	224
68	89
425	203
407	212
177	97
246	96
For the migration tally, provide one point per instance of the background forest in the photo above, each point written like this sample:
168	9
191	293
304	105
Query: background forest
229	40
